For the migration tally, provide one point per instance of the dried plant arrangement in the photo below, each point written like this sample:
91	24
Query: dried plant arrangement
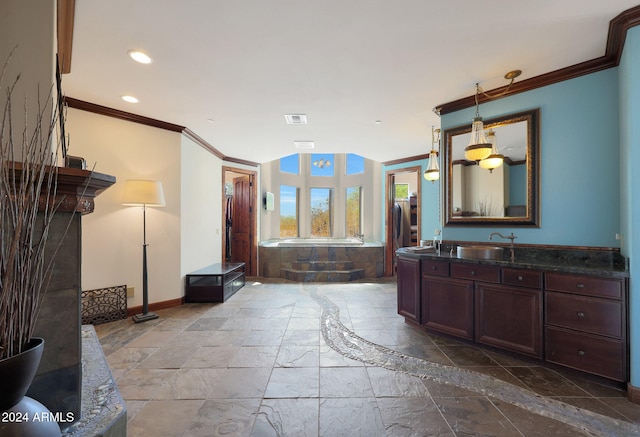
27	207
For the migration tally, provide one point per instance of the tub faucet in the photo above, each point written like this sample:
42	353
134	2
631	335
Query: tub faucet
508	237
359	237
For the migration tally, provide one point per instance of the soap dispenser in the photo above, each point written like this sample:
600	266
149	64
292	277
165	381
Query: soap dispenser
437	240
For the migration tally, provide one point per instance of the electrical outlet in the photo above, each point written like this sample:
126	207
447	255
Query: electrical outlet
130	292
618	236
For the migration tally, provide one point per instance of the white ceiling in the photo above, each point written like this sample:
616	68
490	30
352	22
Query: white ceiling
344	63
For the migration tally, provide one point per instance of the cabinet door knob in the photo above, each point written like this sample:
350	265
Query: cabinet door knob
580	285
580	314
473	272
581	353
434	268
520	278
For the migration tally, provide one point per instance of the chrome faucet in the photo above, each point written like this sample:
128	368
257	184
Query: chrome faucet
359	237
508	237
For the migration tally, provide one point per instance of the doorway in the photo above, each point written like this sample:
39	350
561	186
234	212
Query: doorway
403	212
239	218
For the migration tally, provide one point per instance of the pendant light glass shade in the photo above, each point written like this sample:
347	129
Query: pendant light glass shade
495	159
479	148
432	173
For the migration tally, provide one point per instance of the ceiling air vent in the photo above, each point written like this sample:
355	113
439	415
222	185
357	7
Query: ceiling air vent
304	144
296	118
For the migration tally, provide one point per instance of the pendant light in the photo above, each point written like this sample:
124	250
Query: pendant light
432	173
479	148
495	159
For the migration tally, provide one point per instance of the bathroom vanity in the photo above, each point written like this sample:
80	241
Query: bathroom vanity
565	311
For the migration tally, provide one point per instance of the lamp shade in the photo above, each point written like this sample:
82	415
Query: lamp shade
138	192
495	159
432	173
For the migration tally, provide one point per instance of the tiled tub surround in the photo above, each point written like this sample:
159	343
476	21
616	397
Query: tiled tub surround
330	261
336	359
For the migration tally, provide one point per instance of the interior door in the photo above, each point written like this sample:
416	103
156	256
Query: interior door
242	210
392	177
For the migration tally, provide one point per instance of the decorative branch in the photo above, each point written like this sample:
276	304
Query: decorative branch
27	206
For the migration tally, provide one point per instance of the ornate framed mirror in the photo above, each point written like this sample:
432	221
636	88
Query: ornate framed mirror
507	195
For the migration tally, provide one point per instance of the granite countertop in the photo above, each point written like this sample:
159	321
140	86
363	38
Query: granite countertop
587	262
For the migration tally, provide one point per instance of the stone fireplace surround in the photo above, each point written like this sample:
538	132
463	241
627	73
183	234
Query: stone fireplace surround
58	382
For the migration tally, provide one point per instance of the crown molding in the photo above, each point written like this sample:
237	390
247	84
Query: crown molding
618	28
405	160
122	115
135	118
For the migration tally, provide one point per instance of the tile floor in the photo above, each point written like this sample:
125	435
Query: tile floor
258	365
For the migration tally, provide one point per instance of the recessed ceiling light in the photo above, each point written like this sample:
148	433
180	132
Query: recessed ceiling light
210	120
140	57
378	122
304	144
296	118
130	99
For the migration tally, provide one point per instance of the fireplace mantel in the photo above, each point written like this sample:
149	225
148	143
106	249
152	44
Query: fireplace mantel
76	189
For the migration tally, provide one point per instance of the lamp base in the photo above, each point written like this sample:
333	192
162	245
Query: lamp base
144	317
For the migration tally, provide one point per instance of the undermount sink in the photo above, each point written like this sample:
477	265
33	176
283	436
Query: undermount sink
480	252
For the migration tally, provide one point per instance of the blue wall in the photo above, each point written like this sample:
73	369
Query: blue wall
518	185
579	161
629	71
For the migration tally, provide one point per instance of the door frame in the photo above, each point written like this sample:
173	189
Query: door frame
253	211
390	177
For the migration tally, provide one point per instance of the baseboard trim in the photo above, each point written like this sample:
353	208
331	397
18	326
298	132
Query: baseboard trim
633	394
156	306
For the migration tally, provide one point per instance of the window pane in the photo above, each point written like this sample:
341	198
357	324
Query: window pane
402	191
290	164
288	211
353	211
322	164
321	212
355	164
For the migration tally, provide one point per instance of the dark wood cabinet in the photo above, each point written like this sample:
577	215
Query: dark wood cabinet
413	219
476	272
577	321
509	318
589	353
585	324
447	305
408	271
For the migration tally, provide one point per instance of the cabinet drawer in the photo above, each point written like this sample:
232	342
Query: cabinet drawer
475	272
435	267
601	356
522	278
589	314
587	285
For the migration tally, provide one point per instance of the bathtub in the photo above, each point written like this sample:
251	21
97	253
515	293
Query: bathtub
321	259
297	242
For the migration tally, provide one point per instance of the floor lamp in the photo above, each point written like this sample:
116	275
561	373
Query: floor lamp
143	193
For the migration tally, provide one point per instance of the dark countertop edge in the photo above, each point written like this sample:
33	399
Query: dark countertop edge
559	267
